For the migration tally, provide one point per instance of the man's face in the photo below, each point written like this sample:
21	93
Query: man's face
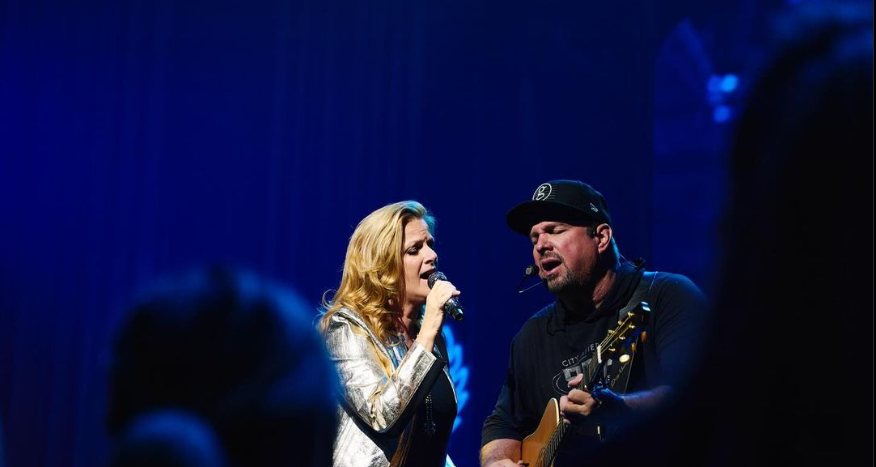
565	255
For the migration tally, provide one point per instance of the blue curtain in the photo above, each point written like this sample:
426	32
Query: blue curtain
141	137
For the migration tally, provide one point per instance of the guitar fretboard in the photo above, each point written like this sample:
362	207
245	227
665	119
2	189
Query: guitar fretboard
613	340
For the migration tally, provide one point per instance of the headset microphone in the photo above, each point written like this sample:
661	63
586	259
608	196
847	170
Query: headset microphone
530	271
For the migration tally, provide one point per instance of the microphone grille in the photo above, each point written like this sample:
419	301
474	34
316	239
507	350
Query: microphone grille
435	277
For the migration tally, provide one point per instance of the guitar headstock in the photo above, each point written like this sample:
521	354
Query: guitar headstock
621	340
616	351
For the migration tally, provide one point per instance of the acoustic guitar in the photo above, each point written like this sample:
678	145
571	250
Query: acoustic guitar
609	368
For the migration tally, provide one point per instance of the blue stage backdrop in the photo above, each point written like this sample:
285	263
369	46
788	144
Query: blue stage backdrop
138	138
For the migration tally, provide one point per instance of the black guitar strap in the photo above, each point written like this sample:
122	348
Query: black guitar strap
620	374
642	290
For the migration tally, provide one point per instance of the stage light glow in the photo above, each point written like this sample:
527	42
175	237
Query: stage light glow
722	113
458	373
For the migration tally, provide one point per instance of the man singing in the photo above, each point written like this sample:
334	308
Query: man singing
577	257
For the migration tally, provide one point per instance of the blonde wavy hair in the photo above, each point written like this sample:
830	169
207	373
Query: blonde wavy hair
372	280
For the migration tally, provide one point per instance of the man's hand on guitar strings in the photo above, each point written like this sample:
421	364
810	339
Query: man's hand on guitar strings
609	401
578	403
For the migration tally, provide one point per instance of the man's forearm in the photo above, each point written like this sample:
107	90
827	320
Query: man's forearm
500	449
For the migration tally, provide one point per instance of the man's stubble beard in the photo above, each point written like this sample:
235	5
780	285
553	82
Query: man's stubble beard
566	284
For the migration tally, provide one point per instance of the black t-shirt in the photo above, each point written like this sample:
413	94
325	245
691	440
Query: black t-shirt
429	416
551	350
429	447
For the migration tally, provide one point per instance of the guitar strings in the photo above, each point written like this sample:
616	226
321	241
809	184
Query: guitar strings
547	452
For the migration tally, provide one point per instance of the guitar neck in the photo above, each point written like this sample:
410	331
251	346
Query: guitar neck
550	449
614	339
608	367
595	367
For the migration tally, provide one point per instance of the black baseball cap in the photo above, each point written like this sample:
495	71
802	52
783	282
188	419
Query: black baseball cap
567	201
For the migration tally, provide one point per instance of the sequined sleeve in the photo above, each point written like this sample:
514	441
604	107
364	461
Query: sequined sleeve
377	399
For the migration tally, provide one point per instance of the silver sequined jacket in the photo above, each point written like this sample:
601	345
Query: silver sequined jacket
372	401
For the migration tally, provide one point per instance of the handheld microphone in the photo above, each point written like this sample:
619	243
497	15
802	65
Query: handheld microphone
530	271
452	306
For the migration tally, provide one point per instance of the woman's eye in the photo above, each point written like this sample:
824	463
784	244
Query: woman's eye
413	251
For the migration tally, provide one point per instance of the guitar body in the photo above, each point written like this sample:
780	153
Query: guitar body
609	368
533	444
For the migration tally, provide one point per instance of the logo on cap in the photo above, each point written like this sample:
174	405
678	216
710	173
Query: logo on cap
593	208
542	192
